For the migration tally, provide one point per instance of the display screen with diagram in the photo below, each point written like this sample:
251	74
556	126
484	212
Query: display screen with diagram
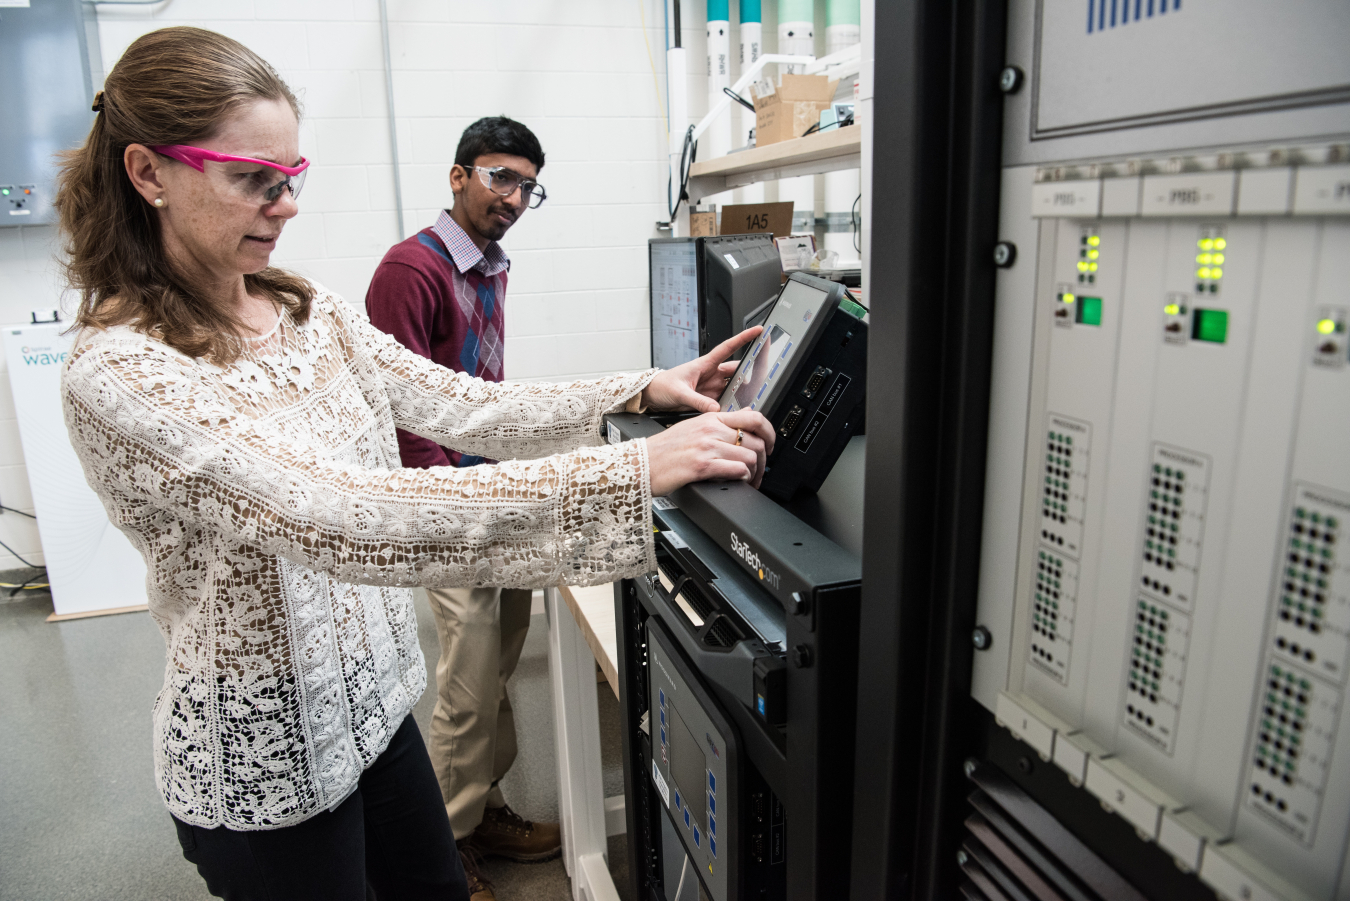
674	302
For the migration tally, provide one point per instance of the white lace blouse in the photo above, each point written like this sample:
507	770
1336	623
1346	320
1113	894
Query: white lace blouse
282	537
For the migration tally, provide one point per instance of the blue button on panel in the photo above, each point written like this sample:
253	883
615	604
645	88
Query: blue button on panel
698	843
686	816
712	803
712	782
677	799
759	702
712	825
662	693
663	735
712	845
663	716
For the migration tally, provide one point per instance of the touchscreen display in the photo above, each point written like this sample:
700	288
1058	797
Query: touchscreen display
762	366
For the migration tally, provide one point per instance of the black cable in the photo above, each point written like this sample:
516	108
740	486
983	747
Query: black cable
687	154
17	557
4	509
26	582
739	99
855	220
838	123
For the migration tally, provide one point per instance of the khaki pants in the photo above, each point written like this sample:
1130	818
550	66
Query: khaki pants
473	729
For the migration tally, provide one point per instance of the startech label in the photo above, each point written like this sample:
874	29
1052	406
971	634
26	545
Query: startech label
752	559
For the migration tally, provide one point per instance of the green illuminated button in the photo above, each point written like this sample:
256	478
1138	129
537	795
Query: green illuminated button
1209	325
1090	310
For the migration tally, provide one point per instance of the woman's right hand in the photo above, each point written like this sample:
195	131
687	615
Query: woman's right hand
704	447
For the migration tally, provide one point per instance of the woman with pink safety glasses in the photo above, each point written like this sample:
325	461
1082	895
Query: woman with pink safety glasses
237	421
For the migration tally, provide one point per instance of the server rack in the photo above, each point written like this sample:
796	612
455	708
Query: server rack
953	799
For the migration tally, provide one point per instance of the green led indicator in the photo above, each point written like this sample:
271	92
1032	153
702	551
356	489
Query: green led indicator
4	191
1209	325
1090	310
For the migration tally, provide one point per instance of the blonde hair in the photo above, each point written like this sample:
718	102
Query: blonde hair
172	86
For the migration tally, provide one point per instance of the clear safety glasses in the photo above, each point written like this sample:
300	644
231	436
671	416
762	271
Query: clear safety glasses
501	180
256	185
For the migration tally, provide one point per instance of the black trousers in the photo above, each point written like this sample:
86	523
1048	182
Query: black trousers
392	835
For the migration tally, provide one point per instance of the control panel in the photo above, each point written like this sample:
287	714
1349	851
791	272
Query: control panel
1165	573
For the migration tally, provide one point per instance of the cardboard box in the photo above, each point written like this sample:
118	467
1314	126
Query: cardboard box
702	223
789	109
757	218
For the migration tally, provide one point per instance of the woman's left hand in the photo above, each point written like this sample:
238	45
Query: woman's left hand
698	384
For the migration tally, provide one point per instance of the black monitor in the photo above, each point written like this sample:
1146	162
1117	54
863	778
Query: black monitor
704	290
737	275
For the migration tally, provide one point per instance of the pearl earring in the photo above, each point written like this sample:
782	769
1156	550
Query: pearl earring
159	201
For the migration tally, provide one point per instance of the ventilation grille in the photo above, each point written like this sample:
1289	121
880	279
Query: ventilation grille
722	633
1014	850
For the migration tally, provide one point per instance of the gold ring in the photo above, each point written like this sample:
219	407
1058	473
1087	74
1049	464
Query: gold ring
739	435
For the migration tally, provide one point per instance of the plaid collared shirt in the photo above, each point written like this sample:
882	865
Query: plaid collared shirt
489	261
443	298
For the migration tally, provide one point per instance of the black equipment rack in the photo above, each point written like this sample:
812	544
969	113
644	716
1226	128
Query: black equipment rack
779	623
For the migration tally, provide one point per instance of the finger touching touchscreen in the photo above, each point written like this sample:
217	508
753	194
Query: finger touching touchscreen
765	363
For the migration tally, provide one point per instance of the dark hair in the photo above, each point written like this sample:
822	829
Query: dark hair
498	134
171	86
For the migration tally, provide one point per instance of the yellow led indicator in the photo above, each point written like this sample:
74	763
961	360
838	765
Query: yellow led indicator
1067	298
1326	326
1220	243
1082	266
1218	258
1093	254
1172	309
1216	272
1092	267
1202	272
1205	243
1094	241
1205	258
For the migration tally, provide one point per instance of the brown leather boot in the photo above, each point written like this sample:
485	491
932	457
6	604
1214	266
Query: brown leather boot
506	833
480	888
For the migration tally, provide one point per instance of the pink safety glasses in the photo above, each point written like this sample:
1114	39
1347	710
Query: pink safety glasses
256	186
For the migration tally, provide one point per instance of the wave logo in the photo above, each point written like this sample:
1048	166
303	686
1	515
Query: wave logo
1104	14
752	559
42	356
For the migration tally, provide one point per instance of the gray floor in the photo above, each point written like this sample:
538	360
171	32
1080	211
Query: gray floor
80	817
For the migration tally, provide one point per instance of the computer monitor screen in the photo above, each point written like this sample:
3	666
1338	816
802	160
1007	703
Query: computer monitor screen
674	302
739	273
768	363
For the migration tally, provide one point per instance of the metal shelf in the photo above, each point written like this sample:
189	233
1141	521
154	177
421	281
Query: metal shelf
826	151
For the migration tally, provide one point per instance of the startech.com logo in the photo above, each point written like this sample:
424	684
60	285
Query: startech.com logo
752	559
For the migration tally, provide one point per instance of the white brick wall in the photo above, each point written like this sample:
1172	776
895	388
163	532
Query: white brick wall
575	71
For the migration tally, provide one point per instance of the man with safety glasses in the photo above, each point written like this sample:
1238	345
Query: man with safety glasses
442	294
